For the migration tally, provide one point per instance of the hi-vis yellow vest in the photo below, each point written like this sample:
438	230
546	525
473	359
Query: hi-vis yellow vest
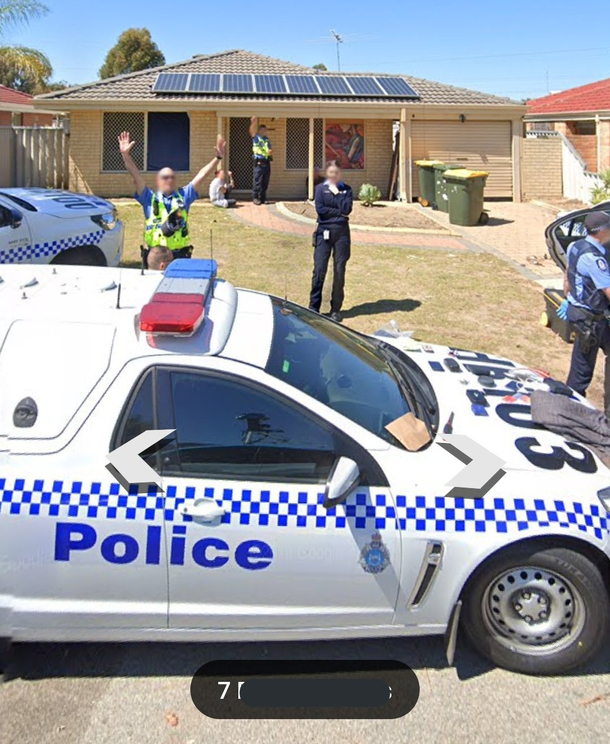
158	216
261	147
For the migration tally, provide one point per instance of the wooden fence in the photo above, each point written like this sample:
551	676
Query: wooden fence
34	156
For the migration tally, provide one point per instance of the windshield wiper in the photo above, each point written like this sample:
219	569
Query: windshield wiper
407	380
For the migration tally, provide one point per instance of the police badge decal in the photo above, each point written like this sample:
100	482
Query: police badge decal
374	556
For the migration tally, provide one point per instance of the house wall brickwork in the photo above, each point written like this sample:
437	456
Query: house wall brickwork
542	169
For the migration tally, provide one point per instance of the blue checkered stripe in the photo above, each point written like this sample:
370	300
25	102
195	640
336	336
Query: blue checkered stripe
300	509
51	248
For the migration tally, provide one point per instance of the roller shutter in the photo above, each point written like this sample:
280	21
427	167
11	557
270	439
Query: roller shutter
478	145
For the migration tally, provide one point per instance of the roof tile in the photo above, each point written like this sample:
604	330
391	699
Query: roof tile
592	97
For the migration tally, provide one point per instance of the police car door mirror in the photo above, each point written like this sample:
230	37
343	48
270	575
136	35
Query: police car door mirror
16	218
343	478
25	413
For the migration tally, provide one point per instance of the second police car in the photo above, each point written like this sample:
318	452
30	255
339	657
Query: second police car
59	227
285	508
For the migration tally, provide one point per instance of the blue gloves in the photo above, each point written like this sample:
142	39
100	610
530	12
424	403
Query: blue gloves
562	310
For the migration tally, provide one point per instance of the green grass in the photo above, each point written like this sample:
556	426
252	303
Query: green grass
466	300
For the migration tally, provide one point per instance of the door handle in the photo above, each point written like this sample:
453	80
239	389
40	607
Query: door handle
207	510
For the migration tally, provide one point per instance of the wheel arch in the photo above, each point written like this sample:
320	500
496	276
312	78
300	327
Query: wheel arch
93	255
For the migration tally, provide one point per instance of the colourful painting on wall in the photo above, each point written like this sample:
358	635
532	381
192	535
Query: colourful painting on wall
345	143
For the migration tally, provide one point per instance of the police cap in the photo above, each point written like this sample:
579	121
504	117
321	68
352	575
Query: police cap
596	221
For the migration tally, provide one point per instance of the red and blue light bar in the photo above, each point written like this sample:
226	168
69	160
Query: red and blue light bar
178	306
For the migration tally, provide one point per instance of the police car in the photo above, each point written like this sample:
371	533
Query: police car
48	226
284	508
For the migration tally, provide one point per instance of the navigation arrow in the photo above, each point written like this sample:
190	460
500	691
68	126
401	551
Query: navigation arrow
127	463
483	468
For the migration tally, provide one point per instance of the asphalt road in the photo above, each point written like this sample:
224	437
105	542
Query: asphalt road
140	693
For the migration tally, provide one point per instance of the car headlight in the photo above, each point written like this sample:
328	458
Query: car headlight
604	497
106	221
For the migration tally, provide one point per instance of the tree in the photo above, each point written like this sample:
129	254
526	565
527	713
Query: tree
320	66
135	50
21	67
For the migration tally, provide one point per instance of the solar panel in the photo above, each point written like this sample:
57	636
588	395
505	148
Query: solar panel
237	84
270	84
201	83
334	86
395	86
171	82
302	84
365	86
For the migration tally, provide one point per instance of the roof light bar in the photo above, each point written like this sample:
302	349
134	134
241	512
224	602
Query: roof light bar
178	306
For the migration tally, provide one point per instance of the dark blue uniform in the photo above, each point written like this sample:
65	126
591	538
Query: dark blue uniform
588	275
333	212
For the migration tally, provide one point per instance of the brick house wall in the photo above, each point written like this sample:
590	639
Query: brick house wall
586	144
542	168
26	119
86	156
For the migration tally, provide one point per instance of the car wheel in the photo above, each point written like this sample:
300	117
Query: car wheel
537	609
84	255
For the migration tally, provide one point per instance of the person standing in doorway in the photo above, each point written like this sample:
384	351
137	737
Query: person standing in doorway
263	155
334	201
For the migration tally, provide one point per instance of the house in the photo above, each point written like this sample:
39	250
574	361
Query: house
582	114
174	113
17	110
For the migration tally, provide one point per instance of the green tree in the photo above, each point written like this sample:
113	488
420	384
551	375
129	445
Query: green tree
320	66
135	50
21	67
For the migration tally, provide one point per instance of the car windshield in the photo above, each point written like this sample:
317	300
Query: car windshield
19	202
348	372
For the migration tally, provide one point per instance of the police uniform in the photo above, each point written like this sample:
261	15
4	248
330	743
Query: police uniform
261	150
167	219
588	307
332	236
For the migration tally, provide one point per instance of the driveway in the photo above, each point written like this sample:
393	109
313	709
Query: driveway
93	694
514	232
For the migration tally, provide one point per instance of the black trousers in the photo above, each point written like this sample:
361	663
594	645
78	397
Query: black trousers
339	245
262	174
584	356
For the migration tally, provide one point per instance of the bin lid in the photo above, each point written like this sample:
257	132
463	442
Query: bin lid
439	165
465	173
428	163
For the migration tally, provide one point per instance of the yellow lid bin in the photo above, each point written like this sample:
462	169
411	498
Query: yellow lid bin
465	189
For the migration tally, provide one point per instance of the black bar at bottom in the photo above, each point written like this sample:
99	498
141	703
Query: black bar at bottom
315	693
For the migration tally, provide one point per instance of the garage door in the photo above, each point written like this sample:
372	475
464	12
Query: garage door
478	145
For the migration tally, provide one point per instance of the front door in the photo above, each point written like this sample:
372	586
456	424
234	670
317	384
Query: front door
240	152
250	543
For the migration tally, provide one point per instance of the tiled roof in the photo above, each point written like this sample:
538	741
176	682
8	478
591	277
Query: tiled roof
591	98
138	85
8	95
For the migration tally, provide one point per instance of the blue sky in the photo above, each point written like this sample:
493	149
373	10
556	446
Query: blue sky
508	49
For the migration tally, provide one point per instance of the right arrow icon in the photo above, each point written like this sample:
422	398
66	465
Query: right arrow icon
483	468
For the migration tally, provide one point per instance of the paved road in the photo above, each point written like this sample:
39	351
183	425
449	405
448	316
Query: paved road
93	693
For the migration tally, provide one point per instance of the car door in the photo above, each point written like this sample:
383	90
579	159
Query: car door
566	230
15	239
250	543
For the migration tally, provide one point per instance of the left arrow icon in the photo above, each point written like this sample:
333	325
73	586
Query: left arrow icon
127	462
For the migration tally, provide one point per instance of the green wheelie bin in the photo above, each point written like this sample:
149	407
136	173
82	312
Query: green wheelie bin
441	197
427	190
466	196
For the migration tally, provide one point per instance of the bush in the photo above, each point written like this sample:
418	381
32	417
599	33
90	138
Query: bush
602	193
369	194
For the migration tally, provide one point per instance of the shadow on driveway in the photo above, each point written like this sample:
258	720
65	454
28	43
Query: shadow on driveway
382	306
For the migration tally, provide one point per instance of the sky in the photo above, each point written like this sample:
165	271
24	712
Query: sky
516	50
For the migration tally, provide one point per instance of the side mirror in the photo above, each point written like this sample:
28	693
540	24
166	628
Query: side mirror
16	218
344	477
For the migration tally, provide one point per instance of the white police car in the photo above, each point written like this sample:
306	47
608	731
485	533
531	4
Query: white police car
59	227
286	509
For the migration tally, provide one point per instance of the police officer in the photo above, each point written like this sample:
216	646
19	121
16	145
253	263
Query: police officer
334	202
263	155
587	288
166	209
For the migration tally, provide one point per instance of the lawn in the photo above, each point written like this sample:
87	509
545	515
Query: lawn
473	301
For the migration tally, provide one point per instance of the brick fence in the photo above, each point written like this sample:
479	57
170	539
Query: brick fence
542	168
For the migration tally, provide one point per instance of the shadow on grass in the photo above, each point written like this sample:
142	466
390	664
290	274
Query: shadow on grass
382	306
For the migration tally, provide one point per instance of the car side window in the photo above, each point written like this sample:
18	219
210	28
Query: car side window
5	217
138	415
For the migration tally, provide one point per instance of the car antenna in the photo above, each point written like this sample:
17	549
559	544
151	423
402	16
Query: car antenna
211	244
118	292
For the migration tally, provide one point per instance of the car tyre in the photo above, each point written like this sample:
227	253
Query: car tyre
84	255
505	603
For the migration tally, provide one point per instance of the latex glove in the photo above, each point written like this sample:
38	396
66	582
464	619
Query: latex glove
562	310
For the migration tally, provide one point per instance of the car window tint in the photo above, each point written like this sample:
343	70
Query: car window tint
5	217
229	429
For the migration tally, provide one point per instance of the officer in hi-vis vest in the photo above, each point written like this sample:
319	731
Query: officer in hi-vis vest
166	209
263	155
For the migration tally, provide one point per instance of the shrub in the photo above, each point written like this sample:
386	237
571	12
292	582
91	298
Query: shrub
601	193
369	194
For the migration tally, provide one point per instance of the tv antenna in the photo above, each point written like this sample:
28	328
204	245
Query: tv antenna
339	39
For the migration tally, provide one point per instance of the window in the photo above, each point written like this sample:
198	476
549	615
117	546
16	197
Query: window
168	141
138	416
297	144
5	217
585	127
227	428
162	139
